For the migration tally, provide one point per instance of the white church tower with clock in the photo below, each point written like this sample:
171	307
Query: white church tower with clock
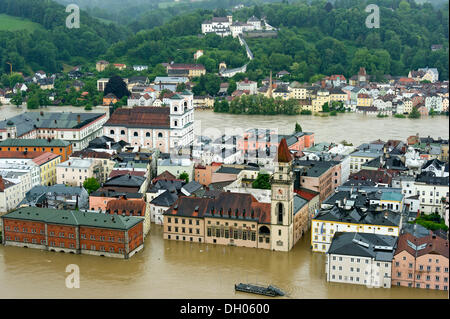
282	207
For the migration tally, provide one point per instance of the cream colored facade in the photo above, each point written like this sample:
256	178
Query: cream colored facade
338	97
297	92
10	197
184	228
322	232
407	106
48	171
358	270
282	208
235	232
75	171
365	100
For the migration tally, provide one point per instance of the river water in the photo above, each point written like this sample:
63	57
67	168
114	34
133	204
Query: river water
169	269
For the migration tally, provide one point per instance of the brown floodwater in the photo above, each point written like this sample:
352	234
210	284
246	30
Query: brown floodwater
170	269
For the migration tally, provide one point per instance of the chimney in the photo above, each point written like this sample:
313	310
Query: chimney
79	118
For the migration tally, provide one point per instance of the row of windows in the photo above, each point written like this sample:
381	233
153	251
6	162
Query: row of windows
419	276
184	238
122	132
235	234
183	221
183	230
427	286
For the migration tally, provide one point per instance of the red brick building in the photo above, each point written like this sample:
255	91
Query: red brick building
73	232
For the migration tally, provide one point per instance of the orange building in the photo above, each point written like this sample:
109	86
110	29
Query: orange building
99	199
73	232
203	173
57	147
109	99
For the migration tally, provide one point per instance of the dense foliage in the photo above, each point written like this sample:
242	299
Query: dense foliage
257	104
313	39
262	181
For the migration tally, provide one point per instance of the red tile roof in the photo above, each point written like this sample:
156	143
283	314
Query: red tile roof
306	193
433	245
181	66
164	176
119	172
145	117
129	207
284	155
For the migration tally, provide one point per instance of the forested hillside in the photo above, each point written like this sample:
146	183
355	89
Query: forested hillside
48	47
314	38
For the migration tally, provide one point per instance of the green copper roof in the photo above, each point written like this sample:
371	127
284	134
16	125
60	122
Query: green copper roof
34	142
74	218
176	97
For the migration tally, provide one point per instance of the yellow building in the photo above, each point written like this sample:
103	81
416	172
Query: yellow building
328	222
47	163
101	65
298	91
338	95
407	106
282	92
364	100
322	97
444	153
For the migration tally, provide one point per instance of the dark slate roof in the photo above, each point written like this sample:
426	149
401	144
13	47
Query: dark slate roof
299	202
101	192
166	199
357	216
228	170
125	181
379	247
192	186
29	121
431	179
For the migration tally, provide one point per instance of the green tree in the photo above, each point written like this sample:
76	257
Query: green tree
415	114
262	181
33	102
298	128
17	99
117	86
91	184
184	176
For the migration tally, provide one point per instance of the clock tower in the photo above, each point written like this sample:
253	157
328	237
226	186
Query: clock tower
282	206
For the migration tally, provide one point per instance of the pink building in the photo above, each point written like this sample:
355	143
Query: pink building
421	262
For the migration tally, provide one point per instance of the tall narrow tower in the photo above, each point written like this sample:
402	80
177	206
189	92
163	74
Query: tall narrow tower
270	84
282	207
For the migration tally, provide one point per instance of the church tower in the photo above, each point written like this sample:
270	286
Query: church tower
282	206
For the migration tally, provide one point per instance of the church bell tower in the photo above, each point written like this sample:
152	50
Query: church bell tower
282	206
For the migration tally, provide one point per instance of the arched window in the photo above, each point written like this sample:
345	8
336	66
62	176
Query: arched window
160	134
176	123
175	109
147	134
111	132
122	132
135	134
280	213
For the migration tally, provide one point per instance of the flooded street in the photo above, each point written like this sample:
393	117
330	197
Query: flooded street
170	269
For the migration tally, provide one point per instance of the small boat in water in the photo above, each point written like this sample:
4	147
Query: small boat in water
270	291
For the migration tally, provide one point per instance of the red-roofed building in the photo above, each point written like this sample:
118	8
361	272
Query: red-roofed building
189	70
164	128
421	262
46	161
130	207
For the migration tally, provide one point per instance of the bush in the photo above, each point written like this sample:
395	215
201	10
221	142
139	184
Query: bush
400	116
306	112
